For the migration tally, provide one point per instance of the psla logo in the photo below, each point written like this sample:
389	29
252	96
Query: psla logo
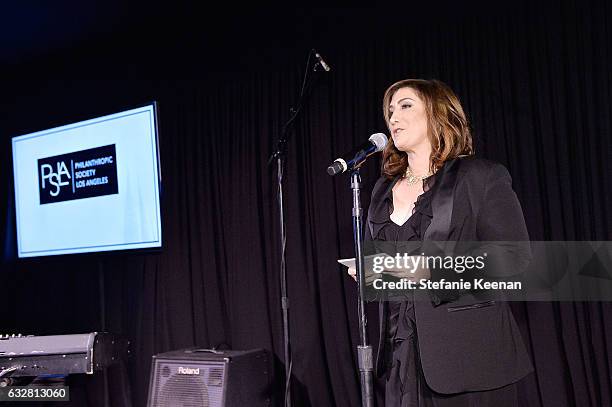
48	176
77	175
188	370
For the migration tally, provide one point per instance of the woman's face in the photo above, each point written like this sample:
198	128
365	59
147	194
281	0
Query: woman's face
408	121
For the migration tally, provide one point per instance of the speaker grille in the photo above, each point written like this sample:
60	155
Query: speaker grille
188	384
184	391
216	377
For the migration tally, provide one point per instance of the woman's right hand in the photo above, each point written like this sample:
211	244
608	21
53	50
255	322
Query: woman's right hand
353	273
369	277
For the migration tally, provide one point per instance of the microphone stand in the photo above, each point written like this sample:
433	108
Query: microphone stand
280	155
364	351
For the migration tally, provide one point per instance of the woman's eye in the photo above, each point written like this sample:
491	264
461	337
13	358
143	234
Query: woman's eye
406	106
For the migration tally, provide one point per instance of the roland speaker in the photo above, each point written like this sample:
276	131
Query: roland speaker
205	378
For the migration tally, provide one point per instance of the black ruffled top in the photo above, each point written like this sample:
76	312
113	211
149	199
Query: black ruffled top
401	239
384	229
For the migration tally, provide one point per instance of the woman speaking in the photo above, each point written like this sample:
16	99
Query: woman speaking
452	349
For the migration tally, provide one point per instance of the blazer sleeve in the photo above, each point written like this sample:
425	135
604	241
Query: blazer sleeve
374	201
500	217
501	227
501	233
369	245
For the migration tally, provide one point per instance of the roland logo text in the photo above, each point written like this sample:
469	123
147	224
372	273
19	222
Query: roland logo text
188	370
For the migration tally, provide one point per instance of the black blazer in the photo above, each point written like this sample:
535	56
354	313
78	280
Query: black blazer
465	343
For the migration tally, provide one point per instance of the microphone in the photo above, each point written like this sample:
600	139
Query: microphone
356	157
321	62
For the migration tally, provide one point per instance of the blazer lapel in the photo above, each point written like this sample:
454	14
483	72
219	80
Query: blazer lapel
442	203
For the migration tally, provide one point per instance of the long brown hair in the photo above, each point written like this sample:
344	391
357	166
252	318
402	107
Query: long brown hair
447	126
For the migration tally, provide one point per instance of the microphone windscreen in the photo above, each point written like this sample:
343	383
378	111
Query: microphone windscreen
380	140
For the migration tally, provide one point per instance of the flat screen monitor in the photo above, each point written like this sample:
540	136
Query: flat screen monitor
90	186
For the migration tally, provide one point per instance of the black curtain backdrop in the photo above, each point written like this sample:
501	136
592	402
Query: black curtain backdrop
536	84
